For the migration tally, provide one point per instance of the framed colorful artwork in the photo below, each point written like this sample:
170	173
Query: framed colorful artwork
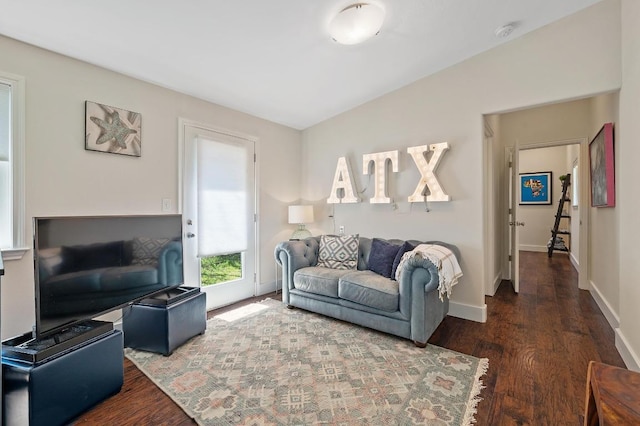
535	188
603	190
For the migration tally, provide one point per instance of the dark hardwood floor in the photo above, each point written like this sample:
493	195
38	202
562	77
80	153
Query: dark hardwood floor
538	342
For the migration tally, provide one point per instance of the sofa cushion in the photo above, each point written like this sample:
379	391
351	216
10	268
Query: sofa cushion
79	282
382	256
128	277
338	252
318	280
405	247
369	289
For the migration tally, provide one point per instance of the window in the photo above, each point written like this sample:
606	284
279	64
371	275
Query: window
12	217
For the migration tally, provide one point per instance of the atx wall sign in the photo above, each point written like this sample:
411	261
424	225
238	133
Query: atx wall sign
342	190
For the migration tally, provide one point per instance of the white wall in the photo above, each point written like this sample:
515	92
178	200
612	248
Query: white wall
603	223
628	203
551	64
539	219
64	179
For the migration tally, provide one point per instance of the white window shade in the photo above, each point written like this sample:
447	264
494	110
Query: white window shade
222	186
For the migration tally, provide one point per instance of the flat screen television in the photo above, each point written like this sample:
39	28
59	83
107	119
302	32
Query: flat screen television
88	266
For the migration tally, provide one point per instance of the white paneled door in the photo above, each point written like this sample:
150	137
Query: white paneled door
219	214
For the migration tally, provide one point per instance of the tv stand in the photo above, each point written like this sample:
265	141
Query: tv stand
29	349
53	380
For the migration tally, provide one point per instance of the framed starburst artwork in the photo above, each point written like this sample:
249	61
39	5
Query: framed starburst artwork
112	130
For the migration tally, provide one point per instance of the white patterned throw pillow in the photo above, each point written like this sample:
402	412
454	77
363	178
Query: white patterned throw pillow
338	252
146	251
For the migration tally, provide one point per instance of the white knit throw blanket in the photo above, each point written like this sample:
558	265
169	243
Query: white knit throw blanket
448	268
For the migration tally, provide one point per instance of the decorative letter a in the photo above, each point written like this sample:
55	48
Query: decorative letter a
342	180
429	182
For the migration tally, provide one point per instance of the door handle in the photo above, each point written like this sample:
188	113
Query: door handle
190	235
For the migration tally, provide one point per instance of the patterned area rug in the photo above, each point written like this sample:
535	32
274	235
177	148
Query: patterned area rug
264	364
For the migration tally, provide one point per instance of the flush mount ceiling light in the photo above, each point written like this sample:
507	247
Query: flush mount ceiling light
356	23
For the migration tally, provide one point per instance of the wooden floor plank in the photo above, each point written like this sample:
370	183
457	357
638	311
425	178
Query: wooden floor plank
538	343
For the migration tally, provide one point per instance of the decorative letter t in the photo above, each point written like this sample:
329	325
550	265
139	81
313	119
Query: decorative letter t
380	161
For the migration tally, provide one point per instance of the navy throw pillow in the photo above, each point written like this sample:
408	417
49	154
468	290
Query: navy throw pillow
405	247
381	257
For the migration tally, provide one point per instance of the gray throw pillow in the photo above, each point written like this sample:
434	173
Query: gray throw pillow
338	252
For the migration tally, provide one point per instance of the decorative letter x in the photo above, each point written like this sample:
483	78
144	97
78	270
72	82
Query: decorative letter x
429	181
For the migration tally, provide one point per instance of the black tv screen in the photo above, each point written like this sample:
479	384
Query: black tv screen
88	266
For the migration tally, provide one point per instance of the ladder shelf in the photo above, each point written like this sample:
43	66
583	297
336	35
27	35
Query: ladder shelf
555	244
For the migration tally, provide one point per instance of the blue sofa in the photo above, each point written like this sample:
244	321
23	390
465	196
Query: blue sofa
409	308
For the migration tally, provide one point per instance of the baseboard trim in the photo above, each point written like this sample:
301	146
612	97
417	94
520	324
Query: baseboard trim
493	287
468	312
574	261
607	311
268	287
529	247
630	358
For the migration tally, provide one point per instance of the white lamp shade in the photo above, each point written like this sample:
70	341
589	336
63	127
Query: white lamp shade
300	214
356	23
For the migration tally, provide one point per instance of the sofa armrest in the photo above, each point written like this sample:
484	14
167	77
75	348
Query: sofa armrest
419	298
170	264
430	279
293	255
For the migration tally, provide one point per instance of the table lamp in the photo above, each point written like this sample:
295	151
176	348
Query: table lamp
300	215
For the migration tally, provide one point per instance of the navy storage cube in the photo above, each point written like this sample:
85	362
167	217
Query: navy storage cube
163	323
60	389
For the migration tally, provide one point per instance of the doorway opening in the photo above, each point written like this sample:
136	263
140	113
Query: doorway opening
546	131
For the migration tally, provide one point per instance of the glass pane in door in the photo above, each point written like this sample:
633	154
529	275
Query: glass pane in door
220	269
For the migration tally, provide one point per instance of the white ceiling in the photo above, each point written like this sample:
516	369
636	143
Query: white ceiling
272	58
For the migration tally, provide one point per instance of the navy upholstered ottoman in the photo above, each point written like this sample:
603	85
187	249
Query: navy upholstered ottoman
61	388
166	321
